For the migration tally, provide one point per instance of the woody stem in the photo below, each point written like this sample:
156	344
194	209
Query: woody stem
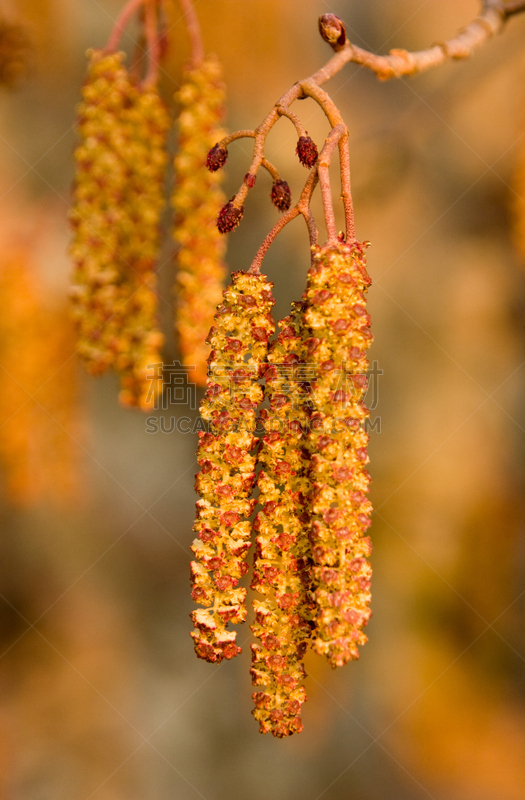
323	165
153	44
301	207
120	24
194	32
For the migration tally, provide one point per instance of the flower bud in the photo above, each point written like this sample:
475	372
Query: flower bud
281	195
307	151
229	217
216	158
333	31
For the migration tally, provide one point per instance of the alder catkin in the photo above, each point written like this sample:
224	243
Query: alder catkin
282	563
197	199
118	200
336	316
40	413
239	342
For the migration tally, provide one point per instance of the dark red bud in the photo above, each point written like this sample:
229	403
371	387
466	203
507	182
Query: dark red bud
249	180
307	151
216	158
281	195
229	217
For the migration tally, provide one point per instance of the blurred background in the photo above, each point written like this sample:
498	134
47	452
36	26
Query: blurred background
101	695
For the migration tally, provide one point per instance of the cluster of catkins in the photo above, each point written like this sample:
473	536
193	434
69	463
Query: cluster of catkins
310	568
119	197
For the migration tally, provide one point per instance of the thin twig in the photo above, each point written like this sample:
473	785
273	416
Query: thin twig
489	21
323	166
194	32
122	20
401	62
301	207
283	112
231	137
153	44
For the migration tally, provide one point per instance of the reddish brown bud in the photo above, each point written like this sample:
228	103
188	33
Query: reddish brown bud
333	31
216	158
281	195
307	151
249	180
229	217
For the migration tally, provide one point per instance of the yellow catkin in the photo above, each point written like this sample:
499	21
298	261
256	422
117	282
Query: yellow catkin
118	200
239	342
282	563
40	436
197	200
338	323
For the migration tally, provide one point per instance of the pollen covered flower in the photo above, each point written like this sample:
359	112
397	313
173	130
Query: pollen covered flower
118	200
239	342
336	315
282	562
197	200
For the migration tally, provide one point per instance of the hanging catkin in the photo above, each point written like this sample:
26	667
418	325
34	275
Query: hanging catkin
282	563
336	315
239	342
40	411
118	199
197	199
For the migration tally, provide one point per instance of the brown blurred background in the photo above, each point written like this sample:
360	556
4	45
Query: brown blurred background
101	695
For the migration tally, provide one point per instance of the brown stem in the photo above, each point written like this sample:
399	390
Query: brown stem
236	135
490	21
153	45
301	207
194	32
400	62
346	191
122	20
283	112
271	169
323	166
